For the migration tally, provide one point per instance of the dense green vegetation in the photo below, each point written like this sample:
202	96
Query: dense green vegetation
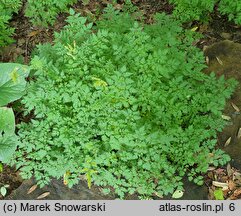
232	9
121	102
45	12
7	8
125	106
190	10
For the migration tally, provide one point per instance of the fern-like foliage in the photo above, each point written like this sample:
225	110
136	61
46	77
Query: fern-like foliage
190	10
127	107
7	8
199	10
232	9
43	13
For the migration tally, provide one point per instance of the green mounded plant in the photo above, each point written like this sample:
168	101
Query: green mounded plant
190	10
7	8
232	9
43	13
199	10
12	87
124	104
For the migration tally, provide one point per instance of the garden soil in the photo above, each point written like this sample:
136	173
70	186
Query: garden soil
224	58
56	190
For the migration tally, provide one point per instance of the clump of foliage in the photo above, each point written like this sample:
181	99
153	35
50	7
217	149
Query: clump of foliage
7	8
125	104
190	10
43	13
12	87
232	9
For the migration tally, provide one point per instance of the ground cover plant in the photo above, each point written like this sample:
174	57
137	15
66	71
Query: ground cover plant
232	9
43	13
190	10
123	103
7	8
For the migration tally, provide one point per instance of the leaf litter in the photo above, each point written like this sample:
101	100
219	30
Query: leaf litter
31	189
224	183
43	195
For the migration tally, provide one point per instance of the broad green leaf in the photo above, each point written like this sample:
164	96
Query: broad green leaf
177	194
3	191
8	144
12	82
7	120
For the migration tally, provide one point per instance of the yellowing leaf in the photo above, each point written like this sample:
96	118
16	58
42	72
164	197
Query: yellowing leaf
99	82
237	176
33	188
177	194
219	60
227	142
211	168
118	6
88	176
220	184
33	33
14	75
205	48
229	170
226	117
66	177
235	107
207	59
239	133
45	194
158	195
194	28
